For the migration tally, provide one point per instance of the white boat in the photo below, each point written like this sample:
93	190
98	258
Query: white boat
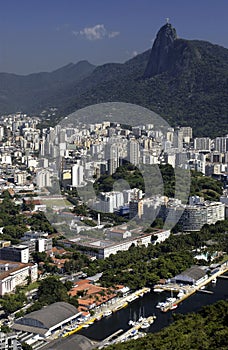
99	317
145	325
131	323
141	319
180	294
171	300
161	304
132	298
86	325
107	313
214	280
173	307
158	290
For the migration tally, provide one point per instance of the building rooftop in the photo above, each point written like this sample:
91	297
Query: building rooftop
75	342
48	316
13	267
193	273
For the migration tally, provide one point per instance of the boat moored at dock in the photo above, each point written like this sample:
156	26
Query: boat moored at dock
120	306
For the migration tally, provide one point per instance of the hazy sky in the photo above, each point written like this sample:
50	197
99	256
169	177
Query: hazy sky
42	35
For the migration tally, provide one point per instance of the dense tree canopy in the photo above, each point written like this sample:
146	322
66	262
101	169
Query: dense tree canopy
140	266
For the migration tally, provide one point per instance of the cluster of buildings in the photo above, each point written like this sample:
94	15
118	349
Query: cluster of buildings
16	262
39	162
32	157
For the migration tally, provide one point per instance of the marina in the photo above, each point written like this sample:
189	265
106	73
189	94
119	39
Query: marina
131	316
106	312
121	319
188	290
132	333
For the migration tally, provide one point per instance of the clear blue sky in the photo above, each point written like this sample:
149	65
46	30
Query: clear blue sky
42	35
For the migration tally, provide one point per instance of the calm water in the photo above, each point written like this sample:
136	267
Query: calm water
145	306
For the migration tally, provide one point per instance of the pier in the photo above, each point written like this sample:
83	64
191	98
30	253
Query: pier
191	289
108	339
118	305
130	333
205	291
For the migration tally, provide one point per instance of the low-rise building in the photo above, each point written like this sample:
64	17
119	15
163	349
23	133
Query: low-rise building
102	249
76	342
47	320
194	276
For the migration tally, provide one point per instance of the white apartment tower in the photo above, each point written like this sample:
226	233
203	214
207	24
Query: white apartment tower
202	144
112	157
77	175
43	178
133	152
221	144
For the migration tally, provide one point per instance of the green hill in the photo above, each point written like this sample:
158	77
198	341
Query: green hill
185	81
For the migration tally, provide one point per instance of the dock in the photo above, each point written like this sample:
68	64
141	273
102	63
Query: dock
205	291
224	277
107	340
128	334
115	307
190	290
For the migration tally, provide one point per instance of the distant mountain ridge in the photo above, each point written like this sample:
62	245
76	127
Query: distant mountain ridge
27	92
185	81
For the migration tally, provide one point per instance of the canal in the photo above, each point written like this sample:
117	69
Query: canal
146	306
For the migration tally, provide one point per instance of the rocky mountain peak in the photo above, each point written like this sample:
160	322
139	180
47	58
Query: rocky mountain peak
161	52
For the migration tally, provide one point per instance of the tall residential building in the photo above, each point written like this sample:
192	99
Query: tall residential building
112	157
195	216
20	177
77	176
178	139
43	178
133	152
1	132
221	144
187	133
202	144
18	253
135	209
109	201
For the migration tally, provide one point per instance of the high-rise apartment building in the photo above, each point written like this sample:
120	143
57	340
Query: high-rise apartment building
77	175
